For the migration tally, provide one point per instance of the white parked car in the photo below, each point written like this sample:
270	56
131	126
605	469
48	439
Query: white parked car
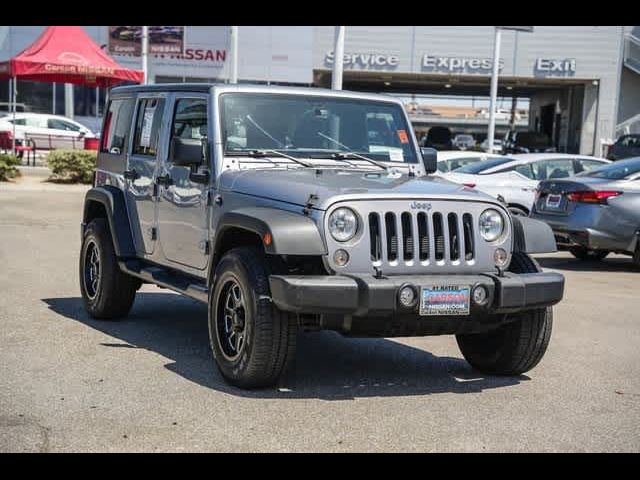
515	178
464	141
497	146
450	160
46	131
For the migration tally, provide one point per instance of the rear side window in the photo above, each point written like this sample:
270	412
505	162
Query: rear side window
57	124
148	126
525	170
117	123
550	169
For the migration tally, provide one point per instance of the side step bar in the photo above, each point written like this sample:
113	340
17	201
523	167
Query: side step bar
185	284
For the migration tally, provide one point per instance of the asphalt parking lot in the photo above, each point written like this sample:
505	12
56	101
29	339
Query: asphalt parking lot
148	383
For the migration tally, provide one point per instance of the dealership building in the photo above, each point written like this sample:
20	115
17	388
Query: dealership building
582	83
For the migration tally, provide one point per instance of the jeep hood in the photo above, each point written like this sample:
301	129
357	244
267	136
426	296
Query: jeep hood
296	186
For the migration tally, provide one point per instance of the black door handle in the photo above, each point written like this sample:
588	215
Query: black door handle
164	180
131	174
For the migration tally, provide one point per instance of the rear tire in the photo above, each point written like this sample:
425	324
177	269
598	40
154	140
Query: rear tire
636	257
517	346
251	340
586	254
107	292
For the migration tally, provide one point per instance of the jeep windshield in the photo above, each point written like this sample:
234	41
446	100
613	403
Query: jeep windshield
315	127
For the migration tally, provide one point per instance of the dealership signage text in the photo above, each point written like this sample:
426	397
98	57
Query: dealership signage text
365	60
555	66
458	64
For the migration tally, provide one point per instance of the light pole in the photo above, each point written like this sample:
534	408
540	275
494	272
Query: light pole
494	79
145	53
233	77
338	59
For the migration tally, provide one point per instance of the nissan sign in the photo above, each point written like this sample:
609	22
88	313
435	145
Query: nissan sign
366	61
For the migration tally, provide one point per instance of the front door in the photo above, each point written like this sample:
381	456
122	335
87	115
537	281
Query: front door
141	171
182	207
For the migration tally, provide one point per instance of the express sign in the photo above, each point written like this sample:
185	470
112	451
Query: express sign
434	63
365	60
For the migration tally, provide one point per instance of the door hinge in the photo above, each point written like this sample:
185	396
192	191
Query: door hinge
154	233
204	246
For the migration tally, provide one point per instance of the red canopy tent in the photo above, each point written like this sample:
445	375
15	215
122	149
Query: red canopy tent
67	55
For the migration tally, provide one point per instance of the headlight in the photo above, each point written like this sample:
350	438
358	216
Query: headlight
491	225
343	224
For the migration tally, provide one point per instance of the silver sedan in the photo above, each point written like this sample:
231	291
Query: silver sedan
594	213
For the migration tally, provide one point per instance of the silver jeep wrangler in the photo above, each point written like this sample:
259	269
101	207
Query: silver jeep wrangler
289	209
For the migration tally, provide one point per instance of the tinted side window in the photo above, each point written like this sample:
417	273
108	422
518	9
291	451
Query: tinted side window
190	118
58	124
117	123
586	165
524	170
558	168
148	126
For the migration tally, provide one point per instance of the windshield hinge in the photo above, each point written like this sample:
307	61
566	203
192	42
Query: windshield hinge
309	205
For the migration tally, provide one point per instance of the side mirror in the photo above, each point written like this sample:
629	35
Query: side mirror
186	152
429	159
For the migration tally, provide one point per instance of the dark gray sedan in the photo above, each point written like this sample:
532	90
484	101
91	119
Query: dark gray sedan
594	213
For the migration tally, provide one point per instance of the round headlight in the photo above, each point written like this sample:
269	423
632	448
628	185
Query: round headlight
343	224
491	225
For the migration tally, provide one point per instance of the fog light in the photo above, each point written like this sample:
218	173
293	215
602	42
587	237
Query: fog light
407	296
341	258
480	295
500	257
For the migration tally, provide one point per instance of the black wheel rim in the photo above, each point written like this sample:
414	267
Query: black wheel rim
231	319
92	270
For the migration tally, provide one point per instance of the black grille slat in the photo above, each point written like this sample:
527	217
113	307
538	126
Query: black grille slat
423	236
407	236
467	222
392	236
375	237
438	234
454	237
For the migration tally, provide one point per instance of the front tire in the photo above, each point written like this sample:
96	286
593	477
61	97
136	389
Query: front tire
107	292
517	346
586	254
250	338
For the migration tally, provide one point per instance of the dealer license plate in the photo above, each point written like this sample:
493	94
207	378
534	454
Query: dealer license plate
445	300
553	201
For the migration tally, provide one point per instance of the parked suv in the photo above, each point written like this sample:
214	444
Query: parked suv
626	146
288	209
527	142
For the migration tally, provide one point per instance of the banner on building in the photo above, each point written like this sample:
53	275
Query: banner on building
163	40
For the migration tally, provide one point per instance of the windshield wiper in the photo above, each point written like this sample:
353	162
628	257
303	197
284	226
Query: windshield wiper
261	153
346	154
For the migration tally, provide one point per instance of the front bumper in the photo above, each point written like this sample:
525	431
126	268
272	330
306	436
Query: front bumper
360	295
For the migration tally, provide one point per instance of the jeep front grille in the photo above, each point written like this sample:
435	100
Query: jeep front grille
420	237
406	237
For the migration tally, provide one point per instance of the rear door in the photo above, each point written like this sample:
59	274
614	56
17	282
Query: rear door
145	150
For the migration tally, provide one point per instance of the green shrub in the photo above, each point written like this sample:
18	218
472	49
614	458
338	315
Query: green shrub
8	165
72	166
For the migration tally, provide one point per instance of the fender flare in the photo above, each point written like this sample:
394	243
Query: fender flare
533	236
112	199
291	233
